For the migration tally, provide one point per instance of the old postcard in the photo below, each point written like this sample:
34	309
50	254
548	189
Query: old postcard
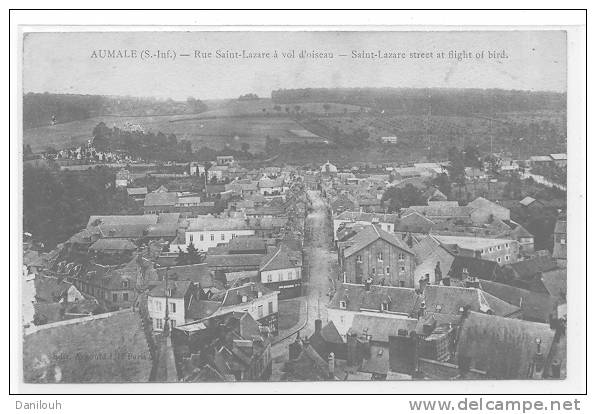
210	205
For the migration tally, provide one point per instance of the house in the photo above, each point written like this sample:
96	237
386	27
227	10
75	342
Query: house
217	172
560	242
413	222
350	300
116	334
282	270
379	256
505	348
160	202
502	251
228	347
306	364
485	211
389	140
343	202
433	261
123	178
560	160
137	193
540	160
326	340
328	168
271	187
465	268
231	263
439	211
194	168
254	298
224	159
205	232
170	303
384	221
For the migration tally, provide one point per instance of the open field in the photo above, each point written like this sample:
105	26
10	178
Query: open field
213	133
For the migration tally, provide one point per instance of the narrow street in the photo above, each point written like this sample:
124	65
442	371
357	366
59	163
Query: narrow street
318	278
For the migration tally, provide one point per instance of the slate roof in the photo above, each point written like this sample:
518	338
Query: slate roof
197	273
216	224
242	244
528	269
161	199
452	299
117	220
381	327
369	217
113	244
399	300
478	268
535	306
370	234
136	190
234	260
200	308
503	347
282	258
179	289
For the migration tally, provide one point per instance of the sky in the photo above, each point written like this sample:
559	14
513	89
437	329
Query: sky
63	63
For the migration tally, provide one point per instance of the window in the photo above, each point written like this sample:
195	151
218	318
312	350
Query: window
212	237
402	268
159	323
260	311
402	256
342	304
125	284
114	297
223	237
359	258
269	278
233	235
380	256
173	307
387	270
507	257
374	271
191	238
289	275
158	306
498	260
125	297
280	276
506	245
173	323
270	308
201	237
384	306
563	241
499	247
490	249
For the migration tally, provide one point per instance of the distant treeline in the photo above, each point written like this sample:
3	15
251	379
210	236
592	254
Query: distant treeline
420	101
41	109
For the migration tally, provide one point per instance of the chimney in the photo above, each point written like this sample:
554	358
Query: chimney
331	362
368	283
318	325
472	282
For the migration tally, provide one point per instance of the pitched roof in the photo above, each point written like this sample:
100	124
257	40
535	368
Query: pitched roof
117	220
503	347
478	268
178	288
113	244
370	234
381	327
136	190
527	269
399	300
234	260
216	224
197	273
452	299
282	258
161	199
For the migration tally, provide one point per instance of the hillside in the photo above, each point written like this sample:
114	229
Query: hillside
440	101
43	109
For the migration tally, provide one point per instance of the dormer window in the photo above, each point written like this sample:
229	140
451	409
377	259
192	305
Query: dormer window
343	304
380	256
384	306
125	284
359	259
169	292
402	256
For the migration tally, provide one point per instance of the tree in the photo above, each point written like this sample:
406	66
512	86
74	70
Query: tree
182	258
396	198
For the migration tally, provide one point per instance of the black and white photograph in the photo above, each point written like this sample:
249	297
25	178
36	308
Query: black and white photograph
267	205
